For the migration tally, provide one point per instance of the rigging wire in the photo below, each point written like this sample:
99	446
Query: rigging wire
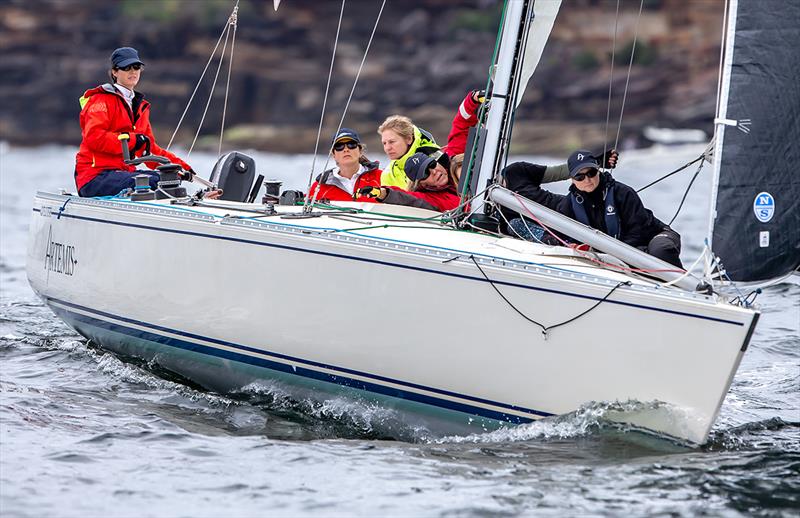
610	83
199	81
628	78
306	205
211	92
686	192
234	23
350	97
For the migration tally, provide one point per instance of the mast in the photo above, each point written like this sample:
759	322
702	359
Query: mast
494	145
721	120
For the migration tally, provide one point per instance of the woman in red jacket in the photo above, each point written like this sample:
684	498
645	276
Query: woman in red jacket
353	171
108	111
430	186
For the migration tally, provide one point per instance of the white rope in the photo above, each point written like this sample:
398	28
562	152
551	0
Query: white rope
627	79
199	81
353	89
688	272
234	19
211	93
306	205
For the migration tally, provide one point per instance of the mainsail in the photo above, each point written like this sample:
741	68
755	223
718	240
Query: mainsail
756	218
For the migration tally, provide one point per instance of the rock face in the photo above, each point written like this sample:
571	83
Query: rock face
424	57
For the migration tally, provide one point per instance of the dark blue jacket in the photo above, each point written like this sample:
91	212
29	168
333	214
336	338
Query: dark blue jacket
638	225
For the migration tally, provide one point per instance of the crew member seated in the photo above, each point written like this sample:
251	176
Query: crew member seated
353	171
107	112
401	139
431	185
596	199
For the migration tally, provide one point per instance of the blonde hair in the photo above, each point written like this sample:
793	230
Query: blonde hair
400	124
456	162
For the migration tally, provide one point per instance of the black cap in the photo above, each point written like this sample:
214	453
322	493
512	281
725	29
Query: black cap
124	56
581	159
417	165
347	134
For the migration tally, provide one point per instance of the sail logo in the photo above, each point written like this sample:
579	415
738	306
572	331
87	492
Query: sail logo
59	257
764	207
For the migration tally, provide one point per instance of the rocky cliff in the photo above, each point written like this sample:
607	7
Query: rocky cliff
425	56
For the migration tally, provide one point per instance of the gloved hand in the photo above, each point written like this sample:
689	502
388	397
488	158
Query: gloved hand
611	157
141	142
479	96
373	192
187	175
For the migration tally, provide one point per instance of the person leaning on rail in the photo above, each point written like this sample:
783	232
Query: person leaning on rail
107	112
597	200
401	139
353	171
431	186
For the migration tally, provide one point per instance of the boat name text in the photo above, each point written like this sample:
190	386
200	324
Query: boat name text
59	257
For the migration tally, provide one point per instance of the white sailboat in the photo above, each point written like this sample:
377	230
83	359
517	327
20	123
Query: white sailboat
521	330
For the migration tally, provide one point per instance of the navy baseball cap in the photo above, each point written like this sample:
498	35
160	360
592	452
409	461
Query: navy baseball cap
581	159
124	56
347	134
417	166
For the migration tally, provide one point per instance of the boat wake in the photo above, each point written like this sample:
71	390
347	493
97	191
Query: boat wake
589	419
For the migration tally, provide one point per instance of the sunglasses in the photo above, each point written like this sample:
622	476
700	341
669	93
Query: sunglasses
582	176
351	144
135	66
428	170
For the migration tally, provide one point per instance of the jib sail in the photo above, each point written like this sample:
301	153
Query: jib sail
755	220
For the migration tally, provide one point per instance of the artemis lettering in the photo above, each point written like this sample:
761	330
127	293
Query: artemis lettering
59	258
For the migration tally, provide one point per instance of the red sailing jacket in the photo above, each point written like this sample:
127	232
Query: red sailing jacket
441	201
328	190
104	116
465	118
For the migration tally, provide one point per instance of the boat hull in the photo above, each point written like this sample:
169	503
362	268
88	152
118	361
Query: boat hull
228	302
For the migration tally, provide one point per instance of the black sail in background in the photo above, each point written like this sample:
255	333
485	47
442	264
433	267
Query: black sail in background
756	228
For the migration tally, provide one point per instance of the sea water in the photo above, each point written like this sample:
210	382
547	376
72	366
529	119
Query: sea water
85	433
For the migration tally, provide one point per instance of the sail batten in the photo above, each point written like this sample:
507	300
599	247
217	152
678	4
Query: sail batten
756	206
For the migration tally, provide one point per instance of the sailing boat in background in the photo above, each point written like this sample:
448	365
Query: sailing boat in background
528	349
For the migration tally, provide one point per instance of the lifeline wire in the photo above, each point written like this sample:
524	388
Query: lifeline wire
199	81
307	205
353	89
545	329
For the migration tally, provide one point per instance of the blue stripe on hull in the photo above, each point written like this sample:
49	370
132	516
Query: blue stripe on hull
402	266
150	339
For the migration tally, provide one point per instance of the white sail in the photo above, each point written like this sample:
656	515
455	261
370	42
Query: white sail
544	16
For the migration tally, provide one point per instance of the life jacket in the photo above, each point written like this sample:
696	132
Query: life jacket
609	210
394	174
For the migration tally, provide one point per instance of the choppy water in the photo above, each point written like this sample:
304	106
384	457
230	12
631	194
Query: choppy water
85	433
